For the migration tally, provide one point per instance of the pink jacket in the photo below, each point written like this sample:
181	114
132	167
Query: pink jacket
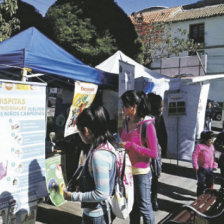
203	156
140	155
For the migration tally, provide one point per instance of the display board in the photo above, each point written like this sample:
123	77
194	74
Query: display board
22	137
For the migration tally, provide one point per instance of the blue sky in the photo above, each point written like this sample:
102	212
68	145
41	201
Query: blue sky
130	6
41	5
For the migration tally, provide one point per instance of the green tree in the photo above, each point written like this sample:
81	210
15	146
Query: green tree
92	30
28	16
9	24
161	41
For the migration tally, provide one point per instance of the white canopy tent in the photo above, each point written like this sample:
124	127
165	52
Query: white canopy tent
161	82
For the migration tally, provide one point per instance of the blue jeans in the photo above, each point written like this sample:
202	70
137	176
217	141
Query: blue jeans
205	179
208	124
142	200
94	220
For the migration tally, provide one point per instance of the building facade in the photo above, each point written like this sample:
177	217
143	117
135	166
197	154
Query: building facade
203	22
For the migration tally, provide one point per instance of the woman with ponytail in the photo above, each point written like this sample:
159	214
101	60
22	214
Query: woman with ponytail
98	174
140	149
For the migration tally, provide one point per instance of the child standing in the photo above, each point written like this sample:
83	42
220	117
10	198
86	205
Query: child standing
204	161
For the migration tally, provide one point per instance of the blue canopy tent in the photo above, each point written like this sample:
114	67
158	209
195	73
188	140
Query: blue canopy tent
31	49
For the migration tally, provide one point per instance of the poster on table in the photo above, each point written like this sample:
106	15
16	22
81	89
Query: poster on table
84	95
55	179
22	137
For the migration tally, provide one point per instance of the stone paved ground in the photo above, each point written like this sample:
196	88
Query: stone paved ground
177	187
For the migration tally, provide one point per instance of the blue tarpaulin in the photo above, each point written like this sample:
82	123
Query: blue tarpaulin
31	49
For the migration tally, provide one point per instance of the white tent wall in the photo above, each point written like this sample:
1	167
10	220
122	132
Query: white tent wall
182	129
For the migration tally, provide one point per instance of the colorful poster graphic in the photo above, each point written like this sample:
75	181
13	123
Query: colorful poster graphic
22	137
84	95
55	179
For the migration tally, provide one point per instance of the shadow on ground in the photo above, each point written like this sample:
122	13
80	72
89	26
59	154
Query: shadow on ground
49	216
177	193
173	169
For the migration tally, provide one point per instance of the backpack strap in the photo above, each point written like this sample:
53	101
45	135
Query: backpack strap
144	132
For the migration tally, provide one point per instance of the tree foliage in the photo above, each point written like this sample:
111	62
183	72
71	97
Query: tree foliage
160	41
92	30
9	24
28	16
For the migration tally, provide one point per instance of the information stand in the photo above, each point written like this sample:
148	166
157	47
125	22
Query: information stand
22	159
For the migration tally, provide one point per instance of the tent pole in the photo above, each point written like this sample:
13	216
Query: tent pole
24	74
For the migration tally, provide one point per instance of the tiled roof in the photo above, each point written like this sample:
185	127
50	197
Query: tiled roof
157	15
198	13
176	14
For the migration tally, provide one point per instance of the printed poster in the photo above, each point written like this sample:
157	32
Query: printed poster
55	179
22	137
84	95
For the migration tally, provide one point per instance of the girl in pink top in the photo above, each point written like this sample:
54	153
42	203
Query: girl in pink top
136	108
203	161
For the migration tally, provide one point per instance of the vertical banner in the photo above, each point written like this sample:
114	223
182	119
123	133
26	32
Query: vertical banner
126	82
22	137
84	95
126	77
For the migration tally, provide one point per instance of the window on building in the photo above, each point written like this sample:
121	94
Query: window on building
197	34
176	108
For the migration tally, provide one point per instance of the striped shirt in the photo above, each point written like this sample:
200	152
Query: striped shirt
101	164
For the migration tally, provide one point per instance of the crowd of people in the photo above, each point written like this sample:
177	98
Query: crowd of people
143	136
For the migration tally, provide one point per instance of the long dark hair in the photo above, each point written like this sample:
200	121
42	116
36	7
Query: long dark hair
96	118
156	103
132	97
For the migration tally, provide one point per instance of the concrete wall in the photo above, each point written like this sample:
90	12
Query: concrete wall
188	65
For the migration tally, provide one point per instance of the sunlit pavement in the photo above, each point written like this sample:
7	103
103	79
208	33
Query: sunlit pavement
177	187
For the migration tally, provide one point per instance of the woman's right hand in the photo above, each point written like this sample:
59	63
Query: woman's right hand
67	194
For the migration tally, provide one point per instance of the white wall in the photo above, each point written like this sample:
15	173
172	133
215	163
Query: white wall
214	49
214	41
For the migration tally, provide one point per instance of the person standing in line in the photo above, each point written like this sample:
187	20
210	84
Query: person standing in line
156	164
204	161
97	178
136	109
208	117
